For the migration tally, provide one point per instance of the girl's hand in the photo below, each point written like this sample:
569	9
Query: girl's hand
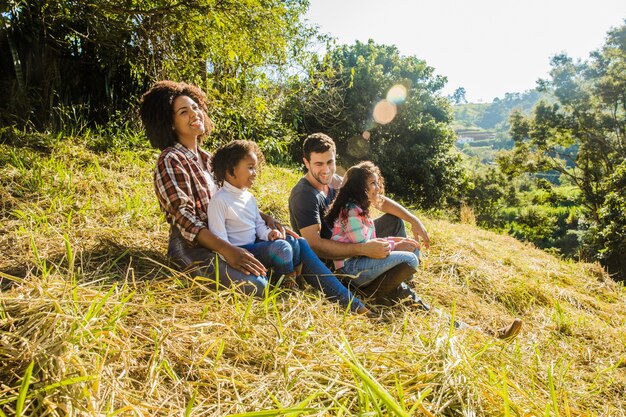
272	223
407	244
419	232
275	234
376	248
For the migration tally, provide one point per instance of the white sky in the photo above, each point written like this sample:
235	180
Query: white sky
489	47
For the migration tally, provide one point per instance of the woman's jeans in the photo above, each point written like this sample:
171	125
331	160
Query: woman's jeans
365	269
200	261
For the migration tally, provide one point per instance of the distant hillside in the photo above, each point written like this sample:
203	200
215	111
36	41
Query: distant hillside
495	115
483	128
94	322
469	135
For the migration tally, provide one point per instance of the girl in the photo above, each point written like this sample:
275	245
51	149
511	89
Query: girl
234	215
362	188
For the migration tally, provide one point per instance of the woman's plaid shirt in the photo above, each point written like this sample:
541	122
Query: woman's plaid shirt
184	188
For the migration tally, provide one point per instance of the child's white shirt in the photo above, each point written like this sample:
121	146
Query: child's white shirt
234	216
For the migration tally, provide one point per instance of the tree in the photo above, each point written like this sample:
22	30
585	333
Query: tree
582	136
95	58
496	114
458	97
608	234
410	139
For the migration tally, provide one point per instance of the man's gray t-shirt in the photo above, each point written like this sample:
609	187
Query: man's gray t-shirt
307	206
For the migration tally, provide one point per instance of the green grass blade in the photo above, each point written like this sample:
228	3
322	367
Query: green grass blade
96	306
553	392
191	403
21	397
372	384
48	388
276	412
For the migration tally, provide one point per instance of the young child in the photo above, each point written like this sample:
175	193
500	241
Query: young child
234	215
362	188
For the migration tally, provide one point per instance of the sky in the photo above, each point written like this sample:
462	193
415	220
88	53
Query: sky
488	47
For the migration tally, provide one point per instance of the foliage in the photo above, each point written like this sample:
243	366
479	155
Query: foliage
582	137
483	128
486	193
466	115
458	97
91	61
608	234
496	114
529	208
414	149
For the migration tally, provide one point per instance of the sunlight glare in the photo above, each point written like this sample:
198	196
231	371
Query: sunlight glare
397	94
384	112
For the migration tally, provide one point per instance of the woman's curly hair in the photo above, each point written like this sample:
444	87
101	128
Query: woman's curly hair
157	115
226	158
354	190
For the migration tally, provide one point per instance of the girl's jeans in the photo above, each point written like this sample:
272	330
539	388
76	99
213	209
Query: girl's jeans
281	254
367	269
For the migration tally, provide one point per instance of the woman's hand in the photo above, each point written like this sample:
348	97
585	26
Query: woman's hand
243	261
236	257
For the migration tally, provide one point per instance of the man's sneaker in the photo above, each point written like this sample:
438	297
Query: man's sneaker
509	332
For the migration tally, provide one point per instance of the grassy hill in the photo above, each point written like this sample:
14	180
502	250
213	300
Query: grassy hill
93	322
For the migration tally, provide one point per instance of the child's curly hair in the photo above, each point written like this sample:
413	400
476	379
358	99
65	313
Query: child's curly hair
354	190
228	156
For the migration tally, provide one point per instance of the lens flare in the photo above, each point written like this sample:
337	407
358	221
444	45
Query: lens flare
384	112
397	94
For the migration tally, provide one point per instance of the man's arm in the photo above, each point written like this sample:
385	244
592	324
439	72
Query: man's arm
331	249
391	207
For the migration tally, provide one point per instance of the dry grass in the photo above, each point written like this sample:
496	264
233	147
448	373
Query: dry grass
94	323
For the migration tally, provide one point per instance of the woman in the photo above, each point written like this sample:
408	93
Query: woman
176	121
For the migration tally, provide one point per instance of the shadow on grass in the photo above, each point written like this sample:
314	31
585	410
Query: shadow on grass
105	261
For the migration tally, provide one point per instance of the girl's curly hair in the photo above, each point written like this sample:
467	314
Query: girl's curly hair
354	190
157	115
228	156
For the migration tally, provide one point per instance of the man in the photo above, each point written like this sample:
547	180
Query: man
308	202
313	194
